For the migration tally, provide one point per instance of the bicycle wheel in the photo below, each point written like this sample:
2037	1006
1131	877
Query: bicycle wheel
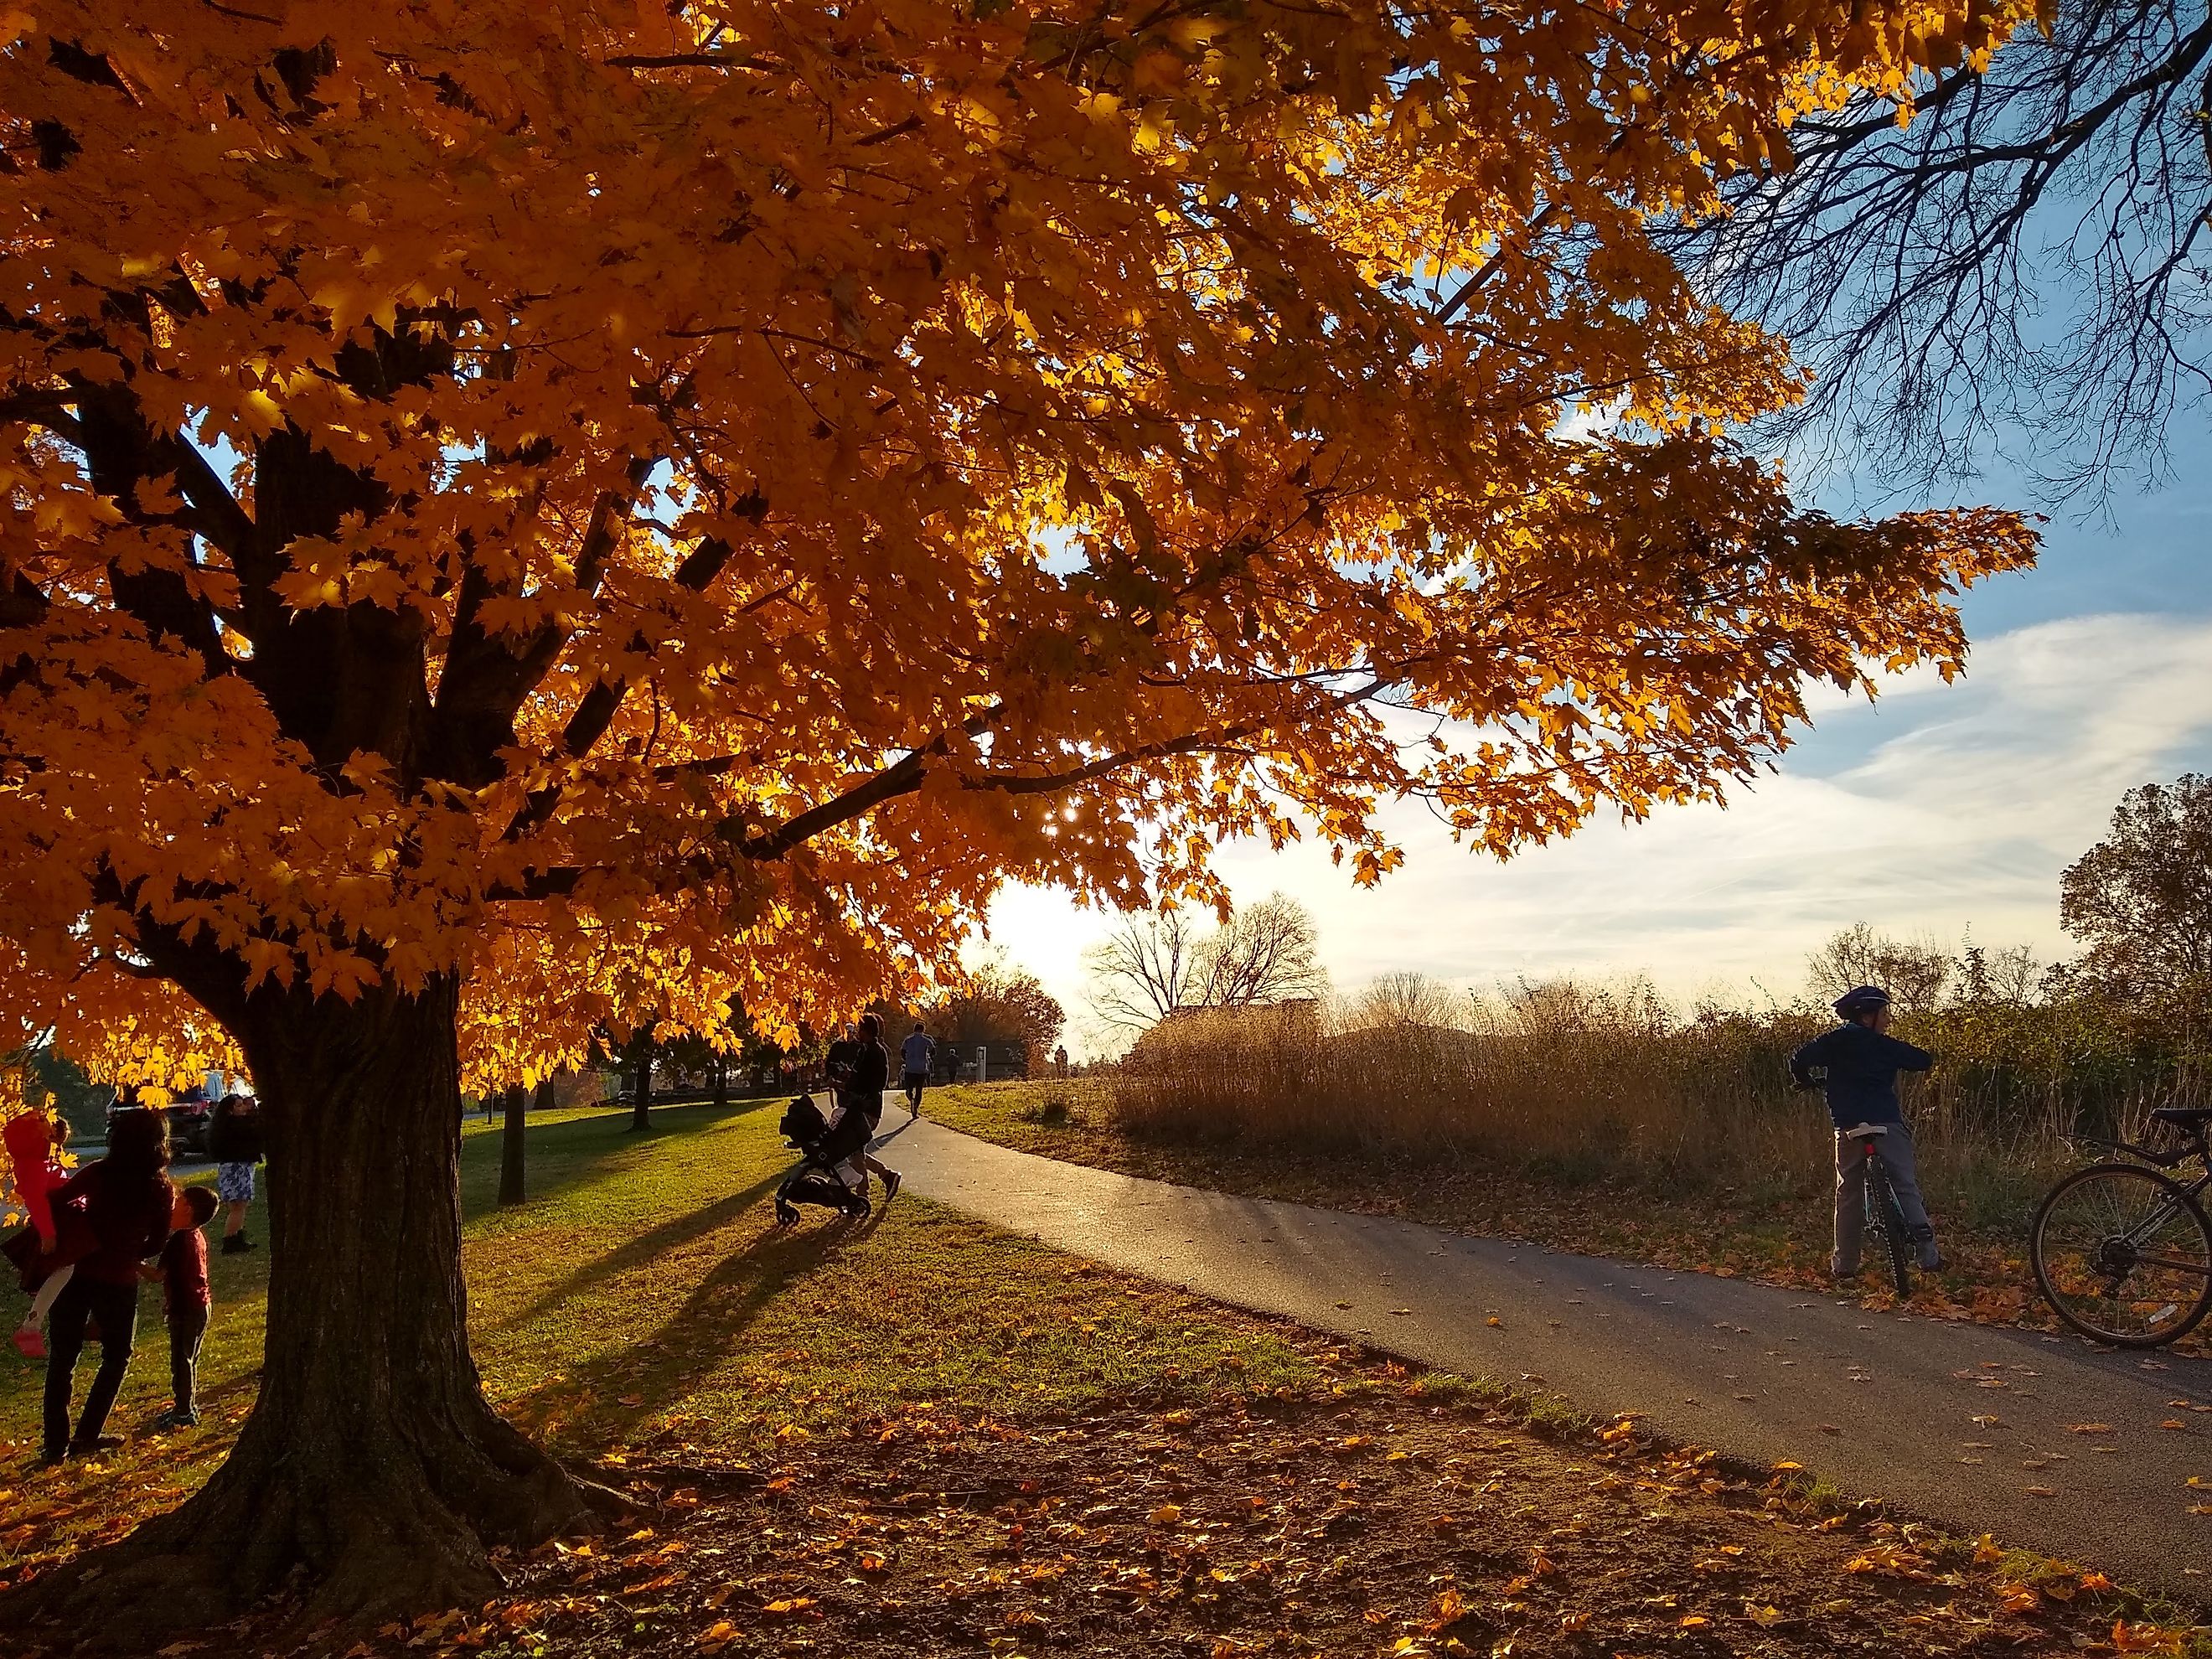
1894	1243
2123	1255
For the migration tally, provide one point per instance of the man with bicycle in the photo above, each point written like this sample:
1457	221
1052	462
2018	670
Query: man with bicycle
1856	1066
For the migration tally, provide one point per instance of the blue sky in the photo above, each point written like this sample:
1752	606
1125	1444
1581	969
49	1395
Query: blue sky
1939	812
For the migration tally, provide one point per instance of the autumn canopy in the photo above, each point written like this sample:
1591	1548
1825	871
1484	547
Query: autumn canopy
542	515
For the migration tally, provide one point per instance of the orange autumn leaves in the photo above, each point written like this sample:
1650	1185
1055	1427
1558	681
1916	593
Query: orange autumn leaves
634	511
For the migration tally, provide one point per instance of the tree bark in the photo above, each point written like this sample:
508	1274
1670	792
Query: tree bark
721	1069
641	1100
511	1183
371	1471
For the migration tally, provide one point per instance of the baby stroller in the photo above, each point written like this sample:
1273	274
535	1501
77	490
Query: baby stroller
826	1146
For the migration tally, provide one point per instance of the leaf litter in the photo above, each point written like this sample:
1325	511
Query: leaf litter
1375	1512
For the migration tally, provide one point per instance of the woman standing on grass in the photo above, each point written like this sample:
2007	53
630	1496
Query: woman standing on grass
234	1141
124	1200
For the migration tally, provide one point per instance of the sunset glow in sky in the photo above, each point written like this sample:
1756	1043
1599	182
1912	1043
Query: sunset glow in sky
1941	810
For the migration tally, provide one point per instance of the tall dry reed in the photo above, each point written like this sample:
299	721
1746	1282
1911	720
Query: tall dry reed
1582	1082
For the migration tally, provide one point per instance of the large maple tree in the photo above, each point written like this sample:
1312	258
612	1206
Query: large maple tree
542	514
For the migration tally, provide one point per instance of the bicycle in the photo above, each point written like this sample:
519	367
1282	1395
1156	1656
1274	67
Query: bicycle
1885	1218
2122	1250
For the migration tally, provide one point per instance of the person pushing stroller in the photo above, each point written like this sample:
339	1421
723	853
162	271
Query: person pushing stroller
866	1072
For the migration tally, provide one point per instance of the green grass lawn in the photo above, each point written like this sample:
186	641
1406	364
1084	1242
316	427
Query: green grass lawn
645	1294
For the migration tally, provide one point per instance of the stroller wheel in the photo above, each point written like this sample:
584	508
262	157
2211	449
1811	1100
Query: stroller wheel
860	1208
787	1215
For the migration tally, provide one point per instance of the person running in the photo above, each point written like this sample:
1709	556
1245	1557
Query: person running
127	1203
916	1054
1855	1065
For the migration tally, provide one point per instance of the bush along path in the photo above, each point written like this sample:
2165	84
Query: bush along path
2100	1456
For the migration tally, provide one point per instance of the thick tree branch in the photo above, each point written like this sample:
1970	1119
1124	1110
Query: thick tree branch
489	676
592	717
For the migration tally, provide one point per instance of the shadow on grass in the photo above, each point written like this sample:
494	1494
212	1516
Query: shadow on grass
647	1247
626	1385
567	1154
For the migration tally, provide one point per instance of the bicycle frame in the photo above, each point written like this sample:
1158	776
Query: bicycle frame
1875	1187
2149	1226
1870	1170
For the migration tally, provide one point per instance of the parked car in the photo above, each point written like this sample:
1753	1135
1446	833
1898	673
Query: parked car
189	1115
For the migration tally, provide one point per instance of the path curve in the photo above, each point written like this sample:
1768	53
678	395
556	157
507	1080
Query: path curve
1884	1404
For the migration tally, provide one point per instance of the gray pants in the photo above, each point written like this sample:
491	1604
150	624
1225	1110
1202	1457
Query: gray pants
1895	1150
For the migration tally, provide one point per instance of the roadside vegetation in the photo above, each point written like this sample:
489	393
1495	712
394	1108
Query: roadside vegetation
1596	1118
925	1434
1600	1116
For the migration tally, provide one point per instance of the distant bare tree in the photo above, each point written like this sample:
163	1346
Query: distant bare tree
1152	965
1146	969
1269	952
2027	256
1914	974
2141	898
2009	975
1408	998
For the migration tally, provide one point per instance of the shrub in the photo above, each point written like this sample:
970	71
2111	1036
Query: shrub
1579	1081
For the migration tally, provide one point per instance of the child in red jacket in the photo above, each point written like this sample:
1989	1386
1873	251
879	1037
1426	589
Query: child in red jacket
34	1143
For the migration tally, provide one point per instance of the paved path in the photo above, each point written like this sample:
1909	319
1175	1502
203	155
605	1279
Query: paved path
1967	1424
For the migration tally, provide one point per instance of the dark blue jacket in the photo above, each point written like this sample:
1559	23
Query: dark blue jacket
1861	1066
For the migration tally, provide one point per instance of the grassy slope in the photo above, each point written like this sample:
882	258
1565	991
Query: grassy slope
643	1312
646	1286
644	1296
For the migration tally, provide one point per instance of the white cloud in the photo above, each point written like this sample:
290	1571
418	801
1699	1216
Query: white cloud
1940	809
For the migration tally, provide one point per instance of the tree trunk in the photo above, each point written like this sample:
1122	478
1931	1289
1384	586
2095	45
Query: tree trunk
372	1473
722	1063
511	1182
642	1100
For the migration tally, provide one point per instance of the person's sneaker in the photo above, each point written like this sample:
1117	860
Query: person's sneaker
891	1180
30	1342
237	1244
1931	1261
173	1419
97	1444
50	1457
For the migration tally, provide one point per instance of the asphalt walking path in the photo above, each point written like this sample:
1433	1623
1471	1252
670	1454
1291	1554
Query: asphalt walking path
1977	1427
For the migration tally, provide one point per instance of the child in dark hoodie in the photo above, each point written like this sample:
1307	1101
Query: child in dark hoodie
1856	1066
